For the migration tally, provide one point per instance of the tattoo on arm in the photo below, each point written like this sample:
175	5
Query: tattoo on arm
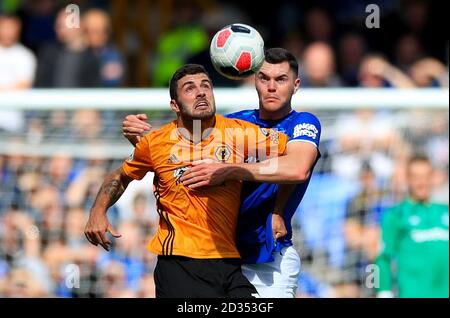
114	189
110	191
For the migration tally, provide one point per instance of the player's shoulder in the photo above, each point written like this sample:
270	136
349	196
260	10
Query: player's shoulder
161	134
441	206
247	115
304	125
398	210
235	122
302	117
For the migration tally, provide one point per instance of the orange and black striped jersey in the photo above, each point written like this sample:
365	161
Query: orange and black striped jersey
199	223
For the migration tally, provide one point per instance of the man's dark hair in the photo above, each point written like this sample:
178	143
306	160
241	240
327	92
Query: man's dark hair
10	16
279	55
187	69
419	158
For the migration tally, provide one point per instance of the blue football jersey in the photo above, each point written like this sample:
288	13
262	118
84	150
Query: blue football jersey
254	232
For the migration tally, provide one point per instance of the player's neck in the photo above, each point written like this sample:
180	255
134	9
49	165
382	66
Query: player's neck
193	129
420	200
274	115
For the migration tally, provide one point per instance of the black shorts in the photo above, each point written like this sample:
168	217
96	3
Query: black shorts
183	277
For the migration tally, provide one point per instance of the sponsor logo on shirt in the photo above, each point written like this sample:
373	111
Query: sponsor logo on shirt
305	129
173	159
434	234
251	159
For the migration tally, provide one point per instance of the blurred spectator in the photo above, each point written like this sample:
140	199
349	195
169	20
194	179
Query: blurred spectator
17	65
415	15
376	72
352	48
97	28
319	66
138	205
361	230
309	287
58	171
408	51
321	218
415	237
294	42
319	26
128	253
22	283
147	287
57	126
73	230
29	276
441	185
88	177
184	39
47	206
113	282
86	124
16	61
68	63
38	17
429	72
365	135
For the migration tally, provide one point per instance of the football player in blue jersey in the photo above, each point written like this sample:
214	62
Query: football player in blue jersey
268	200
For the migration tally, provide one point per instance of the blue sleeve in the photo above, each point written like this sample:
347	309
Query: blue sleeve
306	127
232	115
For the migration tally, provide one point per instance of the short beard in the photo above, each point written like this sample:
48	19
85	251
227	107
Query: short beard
203	115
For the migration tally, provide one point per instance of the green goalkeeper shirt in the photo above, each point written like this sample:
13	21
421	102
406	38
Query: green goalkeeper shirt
415	237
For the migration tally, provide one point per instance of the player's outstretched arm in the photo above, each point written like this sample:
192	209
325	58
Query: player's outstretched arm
283	195
294	167
134	127
110	191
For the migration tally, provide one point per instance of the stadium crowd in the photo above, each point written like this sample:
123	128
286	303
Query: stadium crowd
45	199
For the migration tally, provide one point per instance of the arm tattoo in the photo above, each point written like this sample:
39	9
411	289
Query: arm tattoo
114	190
110	192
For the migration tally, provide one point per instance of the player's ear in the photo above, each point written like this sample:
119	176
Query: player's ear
174	106
296	85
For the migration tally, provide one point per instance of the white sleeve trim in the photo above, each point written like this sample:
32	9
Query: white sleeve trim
385	294
303	140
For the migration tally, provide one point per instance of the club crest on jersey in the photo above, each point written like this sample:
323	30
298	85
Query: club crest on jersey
414	220
270	132
265	131
223	153
178	173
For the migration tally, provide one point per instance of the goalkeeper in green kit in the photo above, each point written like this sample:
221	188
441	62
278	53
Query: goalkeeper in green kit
415	238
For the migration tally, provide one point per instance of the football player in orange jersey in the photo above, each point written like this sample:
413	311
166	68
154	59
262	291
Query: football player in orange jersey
196	236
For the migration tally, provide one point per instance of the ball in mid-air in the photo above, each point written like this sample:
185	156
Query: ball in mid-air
237	51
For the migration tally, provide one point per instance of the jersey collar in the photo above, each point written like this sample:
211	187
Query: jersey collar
271	123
